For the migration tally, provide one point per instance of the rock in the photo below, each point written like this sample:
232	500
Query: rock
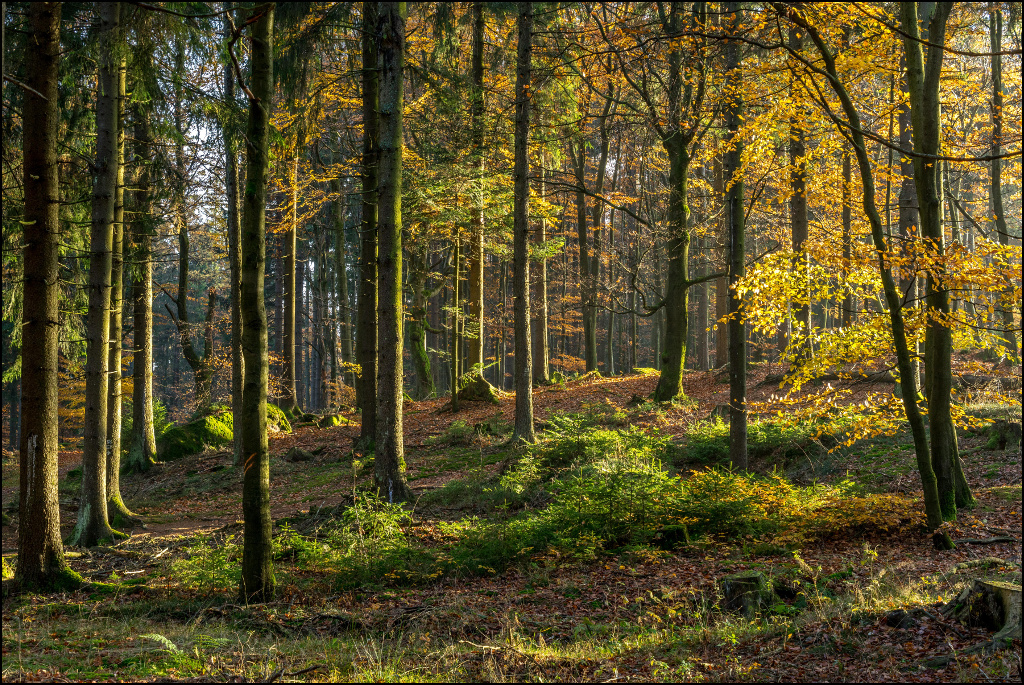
328	420
194	437
297	454
1003	434
277	422
990	604
746	591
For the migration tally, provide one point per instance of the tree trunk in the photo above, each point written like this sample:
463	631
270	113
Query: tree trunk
290	402
366	324
341	272
475	355
901	345
541	354
142	450
849	303
456	307
93	527
908	220
417	324
234	254
996	166
523	431
923	81
257	583
117	512
802	319
41	563
389	463
734	218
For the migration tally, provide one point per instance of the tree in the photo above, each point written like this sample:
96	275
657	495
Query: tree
257	583
93	527
366	322
116	509
523	431
389	462
734	217
142	446
923	81
234	241
41	561
475	298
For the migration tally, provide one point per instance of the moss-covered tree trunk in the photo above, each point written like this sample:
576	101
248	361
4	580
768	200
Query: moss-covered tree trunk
257	584
389	462
417	325
456	311
93	527
117	512
541	354
41	561
523	430
142	448
366	323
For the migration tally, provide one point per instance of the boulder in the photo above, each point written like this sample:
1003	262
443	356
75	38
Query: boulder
328	420
194	437
297	454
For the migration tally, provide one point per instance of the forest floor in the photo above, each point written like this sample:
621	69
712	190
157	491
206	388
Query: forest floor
378	604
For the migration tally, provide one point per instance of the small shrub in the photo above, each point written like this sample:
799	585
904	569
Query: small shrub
210	567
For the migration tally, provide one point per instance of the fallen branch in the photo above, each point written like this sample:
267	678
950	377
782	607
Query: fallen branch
986	541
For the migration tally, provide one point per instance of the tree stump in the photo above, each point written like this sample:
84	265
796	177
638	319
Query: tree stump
746	591
990	604
475	388
297	454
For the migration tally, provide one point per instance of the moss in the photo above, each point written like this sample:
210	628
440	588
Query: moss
194	437
475	388
65	580
277	421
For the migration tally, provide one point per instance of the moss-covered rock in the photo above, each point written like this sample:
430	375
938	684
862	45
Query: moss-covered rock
277	422
329	420
194	437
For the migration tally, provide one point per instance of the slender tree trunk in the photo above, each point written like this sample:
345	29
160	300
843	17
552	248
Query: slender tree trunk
234	254
901	345
475	355
366	333
117	512
292	347
257	583
41	563
849	303
802	321
523	431
908	220
93	527
996	166
389	463
341	270
734	217
456	306
541	353
142	450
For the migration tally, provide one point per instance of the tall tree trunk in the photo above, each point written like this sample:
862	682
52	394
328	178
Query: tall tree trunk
475	355
734	217
923	81
849	303
341	272
117	512
366	333
901	345
417	325
589	312
523	431
909	283
389	463
93	527
257	583
41	563
292	347
996	167
142	449
234	252
541	353
802	323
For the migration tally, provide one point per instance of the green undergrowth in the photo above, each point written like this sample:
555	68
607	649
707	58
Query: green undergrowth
582	492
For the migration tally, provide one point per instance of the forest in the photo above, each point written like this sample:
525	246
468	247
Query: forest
530	341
